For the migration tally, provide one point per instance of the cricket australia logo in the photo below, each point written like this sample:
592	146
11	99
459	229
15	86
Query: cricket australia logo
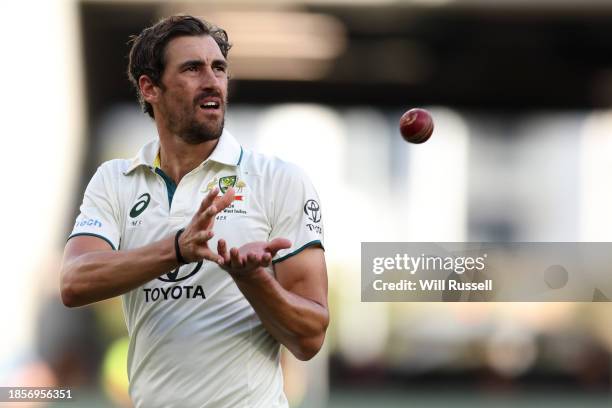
238	206
226	182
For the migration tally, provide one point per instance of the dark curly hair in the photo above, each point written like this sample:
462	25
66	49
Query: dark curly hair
147	55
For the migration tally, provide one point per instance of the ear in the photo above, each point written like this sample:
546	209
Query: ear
148	90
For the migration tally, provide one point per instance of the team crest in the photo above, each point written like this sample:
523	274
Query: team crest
240	184
226	182
212	184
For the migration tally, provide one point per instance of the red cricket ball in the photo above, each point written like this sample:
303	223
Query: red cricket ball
416	125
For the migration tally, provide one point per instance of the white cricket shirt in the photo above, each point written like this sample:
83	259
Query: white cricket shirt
195	341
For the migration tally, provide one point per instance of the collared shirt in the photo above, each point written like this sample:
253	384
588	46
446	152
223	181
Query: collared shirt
195	341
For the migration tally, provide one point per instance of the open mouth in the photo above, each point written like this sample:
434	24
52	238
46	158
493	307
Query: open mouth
211	105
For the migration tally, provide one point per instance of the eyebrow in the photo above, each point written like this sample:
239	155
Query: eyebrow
220	63
199	63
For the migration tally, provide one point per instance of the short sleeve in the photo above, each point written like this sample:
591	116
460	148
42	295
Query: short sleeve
98	212
297	213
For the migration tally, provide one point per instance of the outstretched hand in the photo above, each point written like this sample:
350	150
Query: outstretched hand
194	241
240	262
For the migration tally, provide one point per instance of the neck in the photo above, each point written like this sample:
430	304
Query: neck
179	158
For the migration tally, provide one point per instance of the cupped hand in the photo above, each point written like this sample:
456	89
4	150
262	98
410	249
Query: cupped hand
242	261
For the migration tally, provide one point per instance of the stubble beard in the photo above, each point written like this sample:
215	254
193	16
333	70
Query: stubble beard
195	132
186	126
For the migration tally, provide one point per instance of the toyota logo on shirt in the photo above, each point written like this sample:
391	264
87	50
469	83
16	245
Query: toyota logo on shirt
181	273
313	211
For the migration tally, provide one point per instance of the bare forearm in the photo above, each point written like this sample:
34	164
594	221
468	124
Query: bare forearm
296	322
100	275
90	274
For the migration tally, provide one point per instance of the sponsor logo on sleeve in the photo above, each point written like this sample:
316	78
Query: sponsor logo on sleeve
88	222
313	212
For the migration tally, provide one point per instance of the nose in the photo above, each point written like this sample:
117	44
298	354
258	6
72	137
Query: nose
211	77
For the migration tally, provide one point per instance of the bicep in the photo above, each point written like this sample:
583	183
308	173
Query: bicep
80	245
305	274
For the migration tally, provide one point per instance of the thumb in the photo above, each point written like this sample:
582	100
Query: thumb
277	244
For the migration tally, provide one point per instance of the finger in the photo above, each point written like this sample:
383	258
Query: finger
203	237
221	247
252	261
222	251
226	199
208	200
219	204
210	256
235	260
266	259
277	244
206	218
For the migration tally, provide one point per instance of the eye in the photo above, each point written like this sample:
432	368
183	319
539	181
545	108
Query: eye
192	68
220	68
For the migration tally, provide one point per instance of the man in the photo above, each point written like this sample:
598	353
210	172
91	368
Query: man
205	321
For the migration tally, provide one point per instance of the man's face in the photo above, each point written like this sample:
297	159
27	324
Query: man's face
193	87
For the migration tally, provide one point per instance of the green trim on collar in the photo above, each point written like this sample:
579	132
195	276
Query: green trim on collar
297	251
240	158
170	185
90	234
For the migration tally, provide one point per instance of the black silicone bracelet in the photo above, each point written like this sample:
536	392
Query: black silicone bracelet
177	249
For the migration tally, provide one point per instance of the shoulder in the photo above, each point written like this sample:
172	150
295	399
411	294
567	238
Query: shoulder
111	173
271	167
115	167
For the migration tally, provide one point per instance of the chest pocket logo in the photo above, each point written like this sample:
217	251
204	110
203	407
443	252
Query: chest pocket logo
226	182
141	205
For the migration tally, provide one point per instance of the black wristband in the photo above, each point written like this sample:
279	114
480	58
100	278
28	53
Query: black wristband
177	249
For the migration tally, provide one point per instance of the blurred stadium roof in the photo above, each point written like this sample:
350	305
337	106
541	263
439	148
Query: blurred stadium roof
506	54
